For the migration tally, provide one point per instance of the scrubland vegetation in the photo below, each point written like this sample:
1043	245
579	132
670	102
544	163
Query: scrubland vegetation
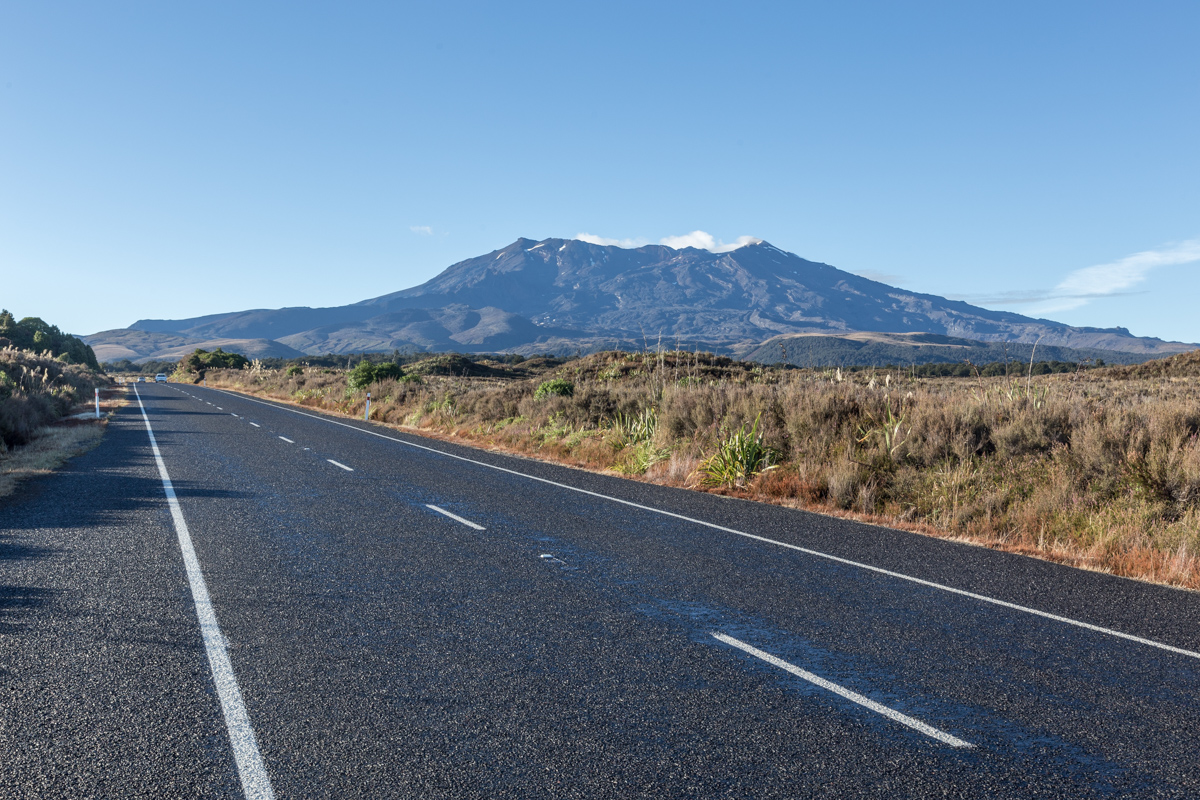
1098	468
44	373
44	376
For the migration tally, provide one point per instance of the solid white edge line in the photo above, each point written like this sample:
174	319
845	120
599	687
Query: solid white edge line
289	441
853	697
256	784
456	518
815	553
338	464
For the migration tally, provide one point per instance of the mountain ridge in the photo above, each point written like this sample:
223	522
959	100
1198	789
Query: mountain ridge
570	295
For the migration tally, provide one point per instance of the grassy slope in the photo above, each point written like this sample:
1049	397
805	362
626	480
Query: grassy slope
866	349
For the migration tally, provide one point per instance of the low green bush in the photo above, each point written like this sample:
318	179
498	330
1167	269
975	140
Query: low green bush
559	387
367	373
201	361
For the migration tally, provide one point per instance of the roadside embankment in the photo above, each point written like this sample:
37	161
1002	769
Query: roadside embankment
47	413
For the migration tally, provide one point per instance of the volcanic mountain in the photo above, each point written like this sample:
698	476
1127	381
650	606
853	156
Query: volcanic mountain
566	295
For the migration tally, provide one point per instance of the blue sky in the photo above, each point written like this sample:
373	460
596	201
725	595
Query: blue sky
175	159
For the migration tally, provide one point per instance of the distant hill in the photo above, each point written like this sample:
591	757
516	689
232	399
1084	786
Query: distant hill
1184	365
905	349
565	295
142	346
454	327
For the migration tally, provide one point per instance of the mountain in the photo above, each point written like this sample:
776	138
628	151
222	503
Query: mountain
564	295
454	327
141	346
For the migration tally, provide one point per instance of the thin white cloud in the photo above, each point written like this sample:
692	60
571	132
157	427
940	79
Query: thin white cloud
628	244
697	239
424	230
705	241
1102	280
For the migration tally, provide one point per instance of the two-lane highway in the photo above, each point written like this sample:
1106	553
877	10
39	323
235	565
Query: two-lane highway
395	616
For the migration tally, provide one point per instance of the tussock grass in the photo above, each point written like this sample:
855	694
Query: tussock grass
37	389
1099	469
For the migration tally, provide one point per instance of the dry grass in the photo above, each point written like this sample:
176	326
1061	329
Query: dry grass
39	398
1099	469
46	453
53	445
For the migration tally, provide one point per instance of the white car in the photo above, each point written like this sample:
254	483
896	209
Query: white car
160	378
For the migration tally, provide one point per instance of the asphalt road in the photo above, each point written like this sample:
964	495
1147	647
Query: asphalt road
401	617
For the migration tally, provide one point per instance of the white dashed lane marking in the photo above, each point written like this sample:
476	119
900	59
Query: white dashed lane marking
853	697
941	587
456	518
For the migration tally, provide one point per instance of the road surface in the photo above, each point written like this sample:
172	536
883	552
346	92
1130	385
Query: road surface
232	598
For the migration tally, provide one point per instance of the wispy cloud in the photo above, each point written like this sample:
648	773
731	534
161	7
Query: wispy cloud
1102	280
424	230
705	241
697	239
628	244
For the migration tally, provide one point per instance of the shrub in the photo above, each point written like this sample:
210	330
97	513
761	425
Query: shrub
558	387
361	376
35	390
388	371
367	373
200	361
294	370
740	457
634	429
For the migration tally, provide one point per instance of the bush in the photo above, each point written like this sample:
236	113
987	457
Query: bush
388	371
367	373
201	361
740	457
36	390
555	388
294	370
361	376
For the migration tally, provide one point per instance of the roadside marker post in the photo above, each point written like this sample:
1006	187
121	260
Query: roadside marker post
367	414
97	404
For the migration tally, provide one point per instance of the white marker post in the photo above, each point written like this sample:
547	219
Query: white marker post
97	404
367	414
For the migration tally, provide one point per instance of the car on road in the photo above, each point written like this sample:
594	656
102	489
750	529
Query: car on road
160	378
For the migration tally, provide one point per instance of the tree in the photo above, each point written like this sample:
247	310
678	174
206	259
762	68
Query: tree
200	361
34	333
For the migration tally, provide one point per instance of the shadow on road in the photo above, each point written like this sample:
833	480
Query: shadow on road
18	601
